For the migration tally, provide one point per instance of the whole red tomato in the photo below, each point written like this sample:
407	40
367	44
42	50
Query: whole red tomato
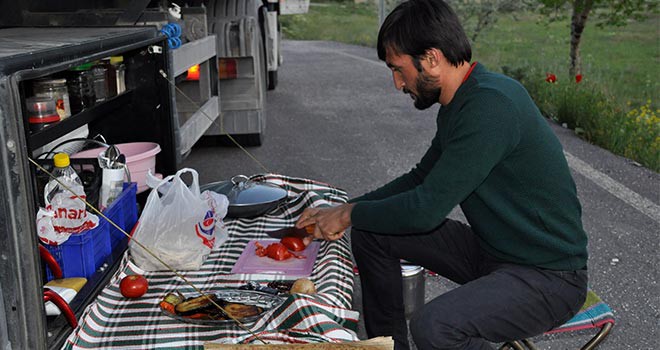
133	286
293	243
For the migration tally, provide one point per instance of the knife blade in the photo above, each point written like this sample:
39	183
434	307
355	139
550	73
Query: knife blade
292	232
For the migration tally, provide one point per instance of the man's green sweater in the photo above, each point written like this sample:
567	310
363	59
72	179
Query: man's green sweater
496	156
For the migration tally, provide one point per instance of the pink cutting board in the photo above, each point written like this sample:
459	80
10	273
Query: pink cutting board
249	262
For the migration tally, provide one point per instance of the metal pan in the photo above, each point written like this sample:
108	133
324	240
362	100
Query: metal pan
266	301
248	199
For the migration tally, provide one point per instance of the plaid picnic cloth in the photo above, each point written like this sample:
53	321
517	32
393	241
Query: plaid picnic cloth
114	322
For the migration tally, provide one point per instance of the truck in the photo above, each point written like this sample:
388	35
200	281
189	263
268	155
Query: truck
190	69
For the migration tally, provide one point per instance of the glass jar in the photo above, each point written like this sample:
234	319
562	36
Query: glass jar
42	112
81	90
110	77
100	83
55	89
120	72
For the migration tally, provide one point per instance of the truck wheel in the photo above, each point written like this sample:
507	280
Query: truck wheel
272	75
272	80
256	139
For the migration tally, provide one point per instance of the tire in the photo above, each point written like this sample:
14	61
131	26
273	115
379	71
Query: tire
272	80
257	138
272	75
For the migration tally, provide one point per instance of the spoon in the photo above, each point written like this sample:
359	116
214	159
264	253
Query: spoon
112	153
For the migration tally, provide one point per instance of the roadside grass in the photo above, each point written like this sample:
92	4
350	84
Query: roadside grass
614	106
622	61
344	22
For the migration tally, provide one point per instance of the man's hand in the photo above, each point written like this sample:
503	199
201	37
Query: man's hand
331	223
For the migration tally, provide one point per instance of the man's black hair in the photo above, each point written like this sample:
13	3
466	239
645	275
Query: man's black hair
416	26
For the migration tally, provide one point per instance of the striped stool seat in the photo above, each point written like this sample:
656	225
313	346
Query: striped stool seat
595	313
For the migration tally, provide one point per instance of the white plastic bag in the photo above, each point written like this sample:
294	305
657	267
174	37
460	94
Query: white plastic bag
181	226
65	215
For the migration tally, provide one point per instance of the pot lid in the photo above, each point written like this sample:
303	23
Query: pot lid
242	192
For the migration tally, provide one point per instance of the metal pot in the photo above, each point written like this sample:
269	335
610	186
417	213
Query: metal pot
248	199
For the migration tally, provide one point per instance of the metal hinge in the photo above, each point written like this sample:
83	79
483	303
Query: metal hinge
155	49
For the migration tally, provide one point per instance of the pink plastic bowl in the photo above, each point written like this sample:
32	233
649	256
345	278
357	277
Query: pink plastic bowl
140	158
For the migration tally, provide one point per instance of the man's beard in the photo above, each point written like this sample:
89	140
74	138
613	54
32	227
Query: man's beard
427	93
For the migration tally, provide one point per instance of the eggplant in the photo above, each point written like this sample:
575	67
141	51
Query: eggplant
174	299
239	311
203	307
201	304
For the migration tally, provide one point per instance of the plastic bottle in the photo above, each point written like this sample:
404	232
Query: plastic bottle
65	173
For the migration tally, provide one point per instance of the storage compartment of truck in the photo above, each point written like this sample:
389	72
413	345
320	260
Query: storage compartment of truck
36	65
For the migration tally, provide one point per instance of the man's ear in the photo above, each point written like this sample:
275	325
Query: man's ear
434	57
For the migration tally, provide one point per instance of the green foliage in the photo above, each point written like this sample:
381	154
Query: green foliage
336	21
595	116
615	105
620	69
623	62
478	16
607	12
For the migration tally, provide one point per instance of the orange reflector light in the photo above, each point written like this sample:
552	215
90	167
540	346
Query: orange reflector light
227	68
193	73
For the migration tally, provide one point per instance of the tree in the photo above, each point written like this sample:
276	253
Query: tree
479	15
607	12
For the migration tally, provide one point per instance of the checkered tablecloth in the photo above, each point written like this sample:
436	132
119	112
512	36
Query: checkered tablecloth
114	322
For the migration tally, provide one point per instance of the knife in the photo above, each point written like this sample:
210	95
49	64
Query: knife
292	232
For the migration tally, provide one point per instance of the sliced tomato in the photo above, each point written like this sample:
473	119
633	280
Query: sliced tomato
167	307
293	243
278	252
260	251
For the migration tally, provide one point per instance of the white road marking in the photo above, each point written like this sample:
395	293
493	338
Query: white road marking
615	188
378	63
610	185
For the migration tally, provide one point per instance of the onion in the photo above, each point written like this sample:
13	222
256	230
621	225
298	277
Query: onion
303	286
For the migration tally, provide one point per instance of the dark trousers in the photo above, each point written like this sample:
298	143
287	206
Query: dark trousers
496	302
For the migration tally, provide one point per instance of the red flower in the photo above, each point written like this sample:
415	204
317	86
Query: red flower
550	78
578	78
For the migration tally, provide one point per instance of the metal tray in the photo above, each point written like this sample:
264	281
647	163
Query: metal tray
266	301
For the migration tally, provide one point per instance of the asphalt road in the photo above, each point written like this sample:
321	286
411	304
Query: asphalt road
336	117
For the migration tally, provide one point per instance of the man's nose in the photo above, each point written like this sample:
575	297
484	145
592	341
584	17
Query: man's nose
398	82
